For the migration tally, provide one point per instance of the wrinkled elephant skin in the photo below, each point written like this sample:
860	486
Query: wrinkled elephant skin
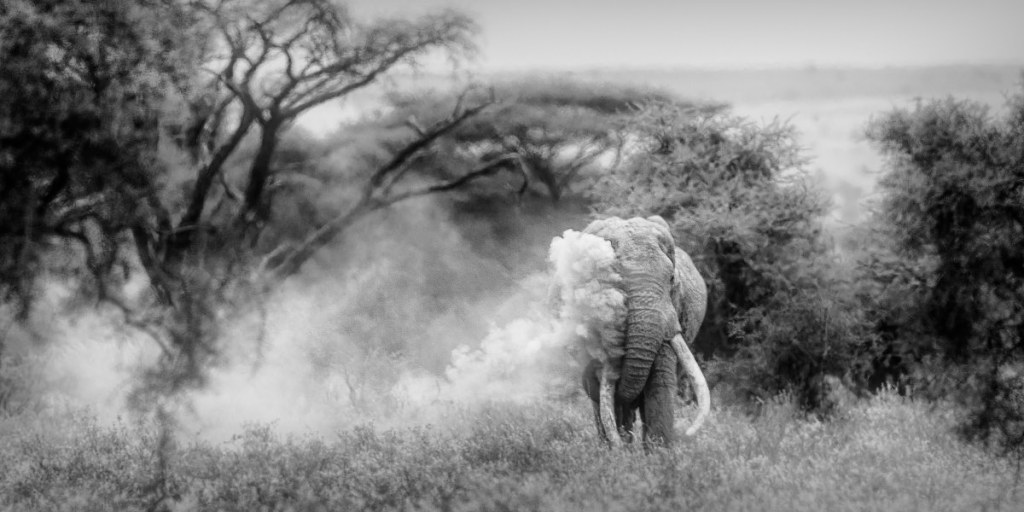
665	302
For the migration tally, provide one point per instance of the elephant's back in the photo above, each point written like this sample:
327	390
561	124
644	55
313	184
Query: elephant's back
691	297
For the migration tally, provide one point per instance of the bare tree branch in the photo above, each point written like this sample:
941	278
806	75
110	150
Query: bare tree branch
415	125
290	262
436	131
339	57
206	175
376	193
503	162
146	326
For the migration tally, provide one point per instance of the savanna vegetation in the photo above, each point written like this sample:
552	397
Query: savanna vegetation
890	453
153	171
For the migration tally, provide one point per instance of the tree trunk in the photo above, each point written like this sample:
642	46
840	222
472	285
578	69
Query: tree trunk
254	206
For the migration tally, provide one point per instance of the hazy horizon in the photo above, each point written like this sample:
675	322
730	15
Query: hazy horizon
553	35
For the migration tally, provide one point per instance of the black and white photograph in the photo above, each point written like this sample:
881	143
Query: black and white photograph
511	255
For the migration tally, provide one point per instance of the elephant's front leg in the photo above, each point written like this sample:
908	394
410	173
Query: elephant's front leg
657	409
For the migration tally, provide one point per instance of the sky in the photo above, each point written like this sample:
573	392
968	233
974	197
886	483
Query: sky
586	34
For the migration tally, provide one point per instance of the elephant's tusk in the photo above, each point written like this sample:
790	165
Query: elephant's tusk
606	394
700	386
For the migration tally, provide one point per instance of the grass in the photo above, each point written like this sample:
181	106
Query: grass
887	454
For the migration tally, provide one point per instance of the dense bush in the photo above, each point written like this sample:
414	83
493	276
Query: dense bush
948	273
782	314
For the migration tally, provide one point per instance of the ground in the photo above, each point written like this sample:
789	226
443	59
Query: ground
889	453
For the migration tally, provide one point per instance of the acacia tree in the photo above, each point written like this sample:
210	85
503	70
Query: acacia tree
557	128
271	62
89	171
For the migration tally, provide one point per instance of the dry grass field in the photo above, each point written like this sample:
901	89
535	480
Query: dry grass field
889	453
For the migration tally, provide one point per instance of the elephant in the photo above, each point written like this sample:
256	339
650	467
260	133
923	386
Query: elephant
666	299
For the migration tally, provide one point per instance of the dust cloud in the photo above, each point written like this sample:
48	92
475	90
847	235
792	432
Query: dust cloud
400	321
541	357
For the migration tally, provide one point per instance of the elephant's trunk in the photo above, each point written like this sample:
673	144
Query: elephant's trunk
648	313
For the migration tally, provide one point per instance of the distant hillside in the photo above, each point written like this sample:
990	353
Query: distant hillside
820	83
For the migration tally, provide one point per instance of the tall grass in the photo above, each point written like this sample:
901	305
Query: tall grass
889	453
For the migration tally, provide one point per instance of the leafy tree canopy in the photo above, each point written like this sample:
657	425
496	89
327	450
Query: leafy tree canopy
781	314
80	95
949	290
556	128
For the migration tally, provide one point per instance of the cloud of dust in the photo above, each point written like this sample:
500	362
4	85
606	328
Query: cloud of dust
541	356
76	360
401	320
591	301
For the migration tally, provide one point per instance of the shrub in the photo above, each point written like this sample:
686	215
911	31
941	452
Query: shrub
953	214
781	312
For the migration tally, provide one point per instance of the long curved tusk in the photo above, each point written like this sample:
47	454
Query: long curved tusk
700	386
606	394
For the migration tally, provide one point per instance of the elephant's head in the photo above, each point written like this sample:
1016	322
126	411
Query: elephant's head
645	258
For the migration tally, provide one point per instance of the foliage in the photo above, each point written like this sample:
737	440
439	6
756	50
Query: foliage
559	129
953	212
131	146
79	101
891	452
781	312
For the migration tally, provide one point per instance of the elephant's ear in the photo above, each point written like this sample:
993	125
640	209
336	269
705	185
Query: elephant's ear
668	244
676	292
666	241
